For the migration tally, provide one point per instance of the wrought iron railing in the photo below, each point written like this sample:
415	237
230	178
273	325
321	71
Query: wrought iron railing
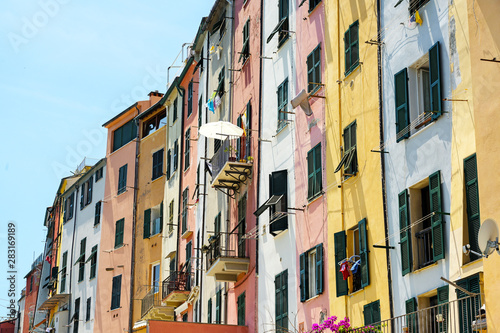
177	281
424	247
229	245
231	150
463	315
151	300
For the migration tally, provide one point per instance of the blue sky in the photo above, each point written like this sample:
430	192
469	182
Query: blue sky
66	67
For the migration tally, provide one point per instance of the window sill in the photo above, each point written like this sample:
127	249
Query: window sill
312	11
92	278
283	41
281	127
356	292
118	247
187	169
120	192
351	70
114	309
424	268
157	178
314	198
96	225
472	263
312	298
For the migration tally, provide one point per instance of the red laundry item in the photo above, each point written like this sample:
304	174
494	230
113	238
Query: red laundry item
344	269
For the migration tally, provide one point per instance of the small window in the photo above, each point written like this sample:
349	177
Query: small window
349	160
222	29
153	221
187	148
169	163
314	70
282	104
157	164
218	307
371	312
86	193
242	211
124	135
97	217
209	311
185	317
81	260
314	171
241	309
221	80
176	155
282	28
184	209
171	217
311	273
472	205
174	113
313	4
122	179
119	233
93	262
190	99
245	50
217	144
68	207
281	301
99	173
154	123
76	315
89	305
116	292
155	278
62	288
351	45
277	203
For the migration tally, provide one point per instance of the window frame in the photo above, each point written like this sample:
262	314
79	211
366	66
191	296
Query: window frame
190	99
349	44
245	49
81	259
119	140
116	292
314	70
157	171
64	268
282	94
317	171
119	231
313	4
175	110
311	273
187	149
241	309
122	179
93	263
89	305
97	215
281	300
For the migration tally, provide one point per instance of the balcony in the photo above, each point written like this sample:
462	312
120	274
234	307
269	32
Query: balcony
176	288
227	256
232	165
463	315
152	307
424	247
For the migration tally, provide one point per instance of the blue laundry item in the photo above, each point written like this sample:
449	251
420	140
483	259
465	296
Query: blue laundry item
355	267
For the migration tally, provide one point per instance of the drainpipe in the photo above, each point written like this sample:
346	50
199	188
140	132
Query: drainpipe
134	211
382	165
72	248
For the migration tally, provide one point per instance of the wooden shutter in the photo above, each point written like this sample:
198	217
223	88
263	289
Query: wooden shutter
310	173
147	223
438	248
435	80
367	314
405	232
472	198
209	309
310	72
319	269
89	189
402	109
169	161
241	309
442	298
218	300
303	277
161	217
347	50
116	291
279	186
340	254
363	253
376	312
411	318
371	313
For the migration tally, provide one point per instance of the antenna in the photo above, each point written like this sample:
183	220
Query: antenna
487	237
302	100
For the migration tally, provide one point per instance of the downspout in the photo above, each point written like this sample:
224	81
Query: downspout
72	254
382	165
256	320
134	211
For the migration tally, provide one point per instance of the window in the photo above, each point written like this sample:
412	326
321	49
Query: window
174	114
283	24
242	212
311	273
468	308
68	207
428	234
153	221
282	104
245	50
155	278
314	70
314	182
116	292
154	123
281	301
185	317
62	288
157	164
415	5
189	250
350	159
222	29
217	144
313	4
76	315
119	233
176	155
171	216
220	86
184	209
371	312
241	309
187	148
200	109
472	207
209	311
99	173
278	202
218	308
97	216
31	283
353	247
351	45
122	179
81	260
417	91
190	98
169	163
87	313
124	135
86	193
93	262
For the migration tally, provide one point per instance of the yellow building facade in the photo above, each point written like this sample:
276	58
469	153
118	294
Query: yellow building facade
354	191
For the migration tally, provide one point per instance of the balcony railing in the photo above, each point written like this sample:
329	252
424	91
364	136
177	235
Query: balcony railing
151	300
177	281
459	316
227	245
424	247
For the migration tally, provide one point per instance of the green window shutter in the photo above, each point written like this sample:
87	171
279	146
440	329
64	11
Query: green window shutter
402	108
119	233
303	277
363	253
319	269
209	309
437	219
116	292
435	80
317	169
347	48
147	223
470	306
281	301
405	234
443	298
411	317
340	254
241	309
310	173
472	198
218	299
284	297
376	312
169	160
367	314
161	217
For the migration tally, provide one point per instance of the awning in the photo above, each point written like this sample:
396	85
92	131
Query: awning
92	255
80	258
53	301
270	202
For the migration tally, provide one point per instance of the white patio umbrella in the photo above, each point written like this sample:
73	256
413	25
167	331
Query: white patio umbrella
220	130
